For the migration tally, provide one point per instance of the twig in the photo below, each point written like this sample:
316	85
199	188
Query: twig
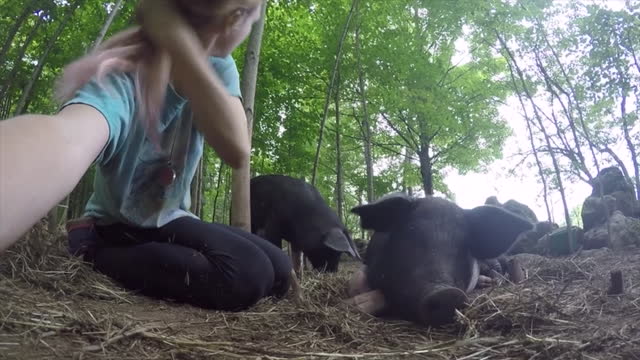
112	340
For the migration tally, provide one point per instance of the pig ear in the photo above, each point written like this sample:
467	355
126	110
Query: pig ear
493	230
384	213
337	240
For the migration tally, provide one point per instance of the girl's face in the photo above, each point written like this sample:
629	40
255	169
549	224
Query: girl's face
240	23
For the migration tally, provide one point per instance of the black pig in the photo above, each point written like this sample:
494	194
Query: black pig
423	256
283	207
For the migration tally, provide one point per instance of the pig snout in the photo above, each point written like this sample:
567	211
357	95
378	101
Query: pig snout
439	306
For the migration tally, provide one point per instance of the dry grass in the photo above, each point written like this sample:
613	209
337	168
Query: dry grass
54	306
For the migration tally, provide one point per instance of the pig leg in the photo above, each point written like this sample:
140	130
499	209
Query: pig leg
484	282
296	290
362	297
371	302
297	257
358	282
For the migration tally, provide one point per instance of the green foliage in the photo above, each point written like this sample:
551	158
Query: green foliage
431	105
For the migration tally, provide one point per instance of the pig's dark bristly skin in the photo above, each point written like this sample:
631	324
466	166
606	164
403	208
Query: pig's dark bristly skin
423	254
283	207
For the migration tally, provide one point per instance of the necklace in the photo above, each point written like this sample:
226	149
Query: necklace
167	173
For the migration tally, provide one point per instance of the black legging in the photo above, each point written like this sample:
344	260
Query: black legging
204	264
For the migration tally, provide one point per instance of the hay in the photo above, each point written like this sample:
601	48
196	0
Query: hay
55	306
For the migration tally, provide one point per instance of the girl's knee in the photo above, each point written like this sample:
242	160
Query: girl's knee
282	268
249	277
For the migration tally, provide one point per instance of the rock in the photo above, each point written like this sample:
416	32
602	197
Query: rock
596	238
492	200
521	209
515	207
610	192
527	242
610	180
557	242
624	232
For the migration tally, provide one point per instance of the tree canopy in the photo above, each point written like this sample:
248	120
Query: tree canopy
417	88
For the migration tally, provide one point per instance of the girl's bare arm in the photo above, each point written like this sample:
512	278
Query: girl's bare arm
42	158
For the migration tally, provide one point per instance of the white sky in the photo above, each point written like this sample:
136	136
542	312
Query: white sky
472	189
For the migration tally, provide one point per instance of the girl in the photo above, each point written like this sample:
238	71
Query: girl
141	107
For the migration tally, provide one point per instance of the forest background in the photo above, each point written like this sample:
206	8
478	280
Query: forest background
521	99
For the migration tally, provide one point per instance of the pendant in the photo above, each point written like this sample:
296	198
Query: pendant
166	175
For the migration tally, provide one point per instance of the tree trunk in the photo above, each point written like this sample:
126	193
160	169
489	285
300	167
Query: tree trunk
339	194
406	165
556	166
107	24
195	189
28	10
572	90
240	208
4	89
533	146
5	107
26	92
218	190
327	100
426	169
203	187
630	145
366	126
227	195
551	84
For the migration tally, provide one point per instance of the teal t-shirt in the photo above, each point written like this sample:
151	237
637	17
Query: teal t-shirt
134	181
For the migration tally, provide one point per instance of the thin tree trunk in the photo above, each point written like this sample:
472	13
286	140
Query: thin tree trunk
218	190
6	86
551	84
585	129
5	107
366	126
107	24
630	146
362	232
406	163
26	92
339	186
556	166
327	100
426	169
240	207
226	213
28	10
195	189
203	187
533	146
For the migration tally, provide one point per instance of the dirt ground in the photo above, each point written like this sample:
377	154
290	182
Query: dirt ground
53	306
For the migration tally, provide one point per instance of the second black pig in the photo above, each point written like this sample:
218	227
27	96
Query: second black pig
287	208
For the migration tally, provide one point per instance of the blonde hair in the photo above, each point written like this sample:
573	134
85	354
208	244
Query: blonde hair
131	51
